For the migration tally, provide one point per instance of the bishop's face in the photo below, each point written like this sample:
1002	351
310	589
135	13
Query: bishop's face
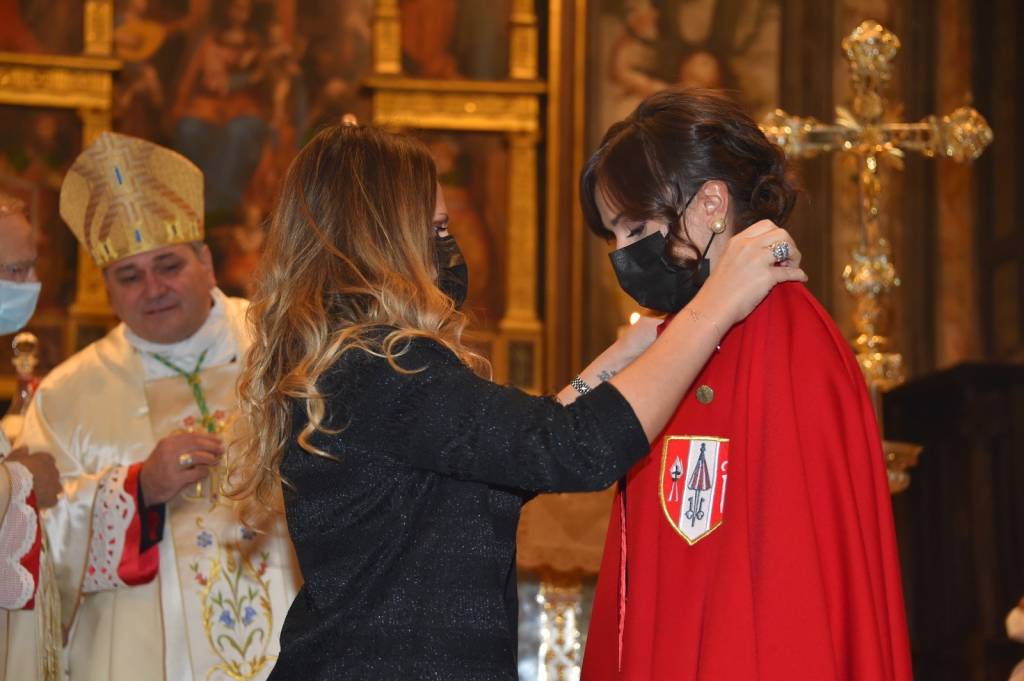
162	295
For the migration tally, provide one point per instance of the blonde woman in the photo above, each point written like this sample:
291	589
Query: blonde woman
403	470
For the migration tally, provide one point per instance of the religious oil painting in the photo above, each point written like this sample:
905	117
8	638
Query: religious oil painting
455	39
473	170
41	26
238	86
36	149
639	47
642	46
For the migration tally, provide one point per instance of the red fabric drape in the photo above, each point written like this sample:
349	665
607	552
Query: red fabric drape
801	580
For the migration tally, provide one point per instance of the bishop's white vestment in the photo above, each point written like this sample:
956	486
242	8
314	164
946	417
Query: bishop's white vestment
180	591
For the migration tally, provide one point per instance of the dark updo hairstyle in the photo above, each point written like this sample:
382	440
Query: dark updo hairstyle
652	163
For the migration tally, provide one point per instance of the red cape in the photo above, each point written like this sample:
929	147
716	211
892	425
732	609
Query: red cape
801	580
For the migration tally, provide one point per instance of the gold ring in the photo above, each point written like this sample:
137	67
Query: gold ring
186	461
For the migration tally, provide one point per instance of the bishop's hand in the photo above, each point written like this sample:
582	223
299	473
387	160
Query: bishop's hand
176	462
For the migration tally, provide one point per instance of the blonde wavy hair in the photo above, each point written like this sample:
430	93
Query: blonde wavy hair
350	252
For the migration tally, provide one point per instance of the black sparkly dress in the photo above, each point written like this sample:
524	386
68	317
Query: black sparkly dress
406	536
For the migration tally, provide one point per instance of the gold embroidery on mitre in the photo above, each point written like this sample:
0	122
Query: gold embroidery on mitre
122	194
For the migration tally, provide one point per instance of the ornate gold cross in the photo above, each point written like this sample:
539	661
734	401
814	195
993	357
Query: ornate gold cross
859	130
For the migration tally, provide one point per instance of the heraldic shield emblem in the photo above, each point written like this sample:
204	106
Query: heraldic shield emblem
694	477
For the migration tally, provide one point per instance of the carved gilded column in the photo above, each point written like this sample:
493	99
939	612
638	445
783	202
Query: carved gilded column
522	62
91	306
90	292
94	121
387	38
98	27
522	291
518	353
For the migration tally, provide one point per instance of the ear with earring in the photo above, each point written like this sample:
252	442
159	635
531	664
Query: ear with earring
717	227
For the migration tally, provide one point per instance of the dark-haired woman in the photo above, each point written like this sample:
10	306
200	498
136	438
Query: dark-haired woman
756	539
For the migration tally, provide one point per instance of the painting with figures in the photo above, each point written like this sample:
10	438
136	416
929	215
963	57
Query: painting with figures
472	168
455	39
238	86
639	47
36	149
41	26
643	46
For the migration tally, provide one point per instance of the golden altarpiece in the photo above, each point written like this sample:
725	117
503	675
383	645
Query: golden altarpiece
82	84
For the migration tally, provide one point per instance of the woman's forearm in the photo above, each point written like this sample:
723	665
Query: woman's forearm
615	357
608	364
656	381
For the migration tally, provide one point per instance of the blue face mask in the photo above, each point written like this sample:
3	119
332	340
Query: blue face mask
17	303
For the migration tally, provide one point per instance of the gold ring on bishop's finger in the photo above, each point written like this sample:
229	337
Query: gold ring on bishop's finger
780	250
186	461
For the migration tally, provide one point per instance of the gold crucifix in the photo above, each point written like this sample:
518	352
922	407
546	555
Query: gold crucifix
859	130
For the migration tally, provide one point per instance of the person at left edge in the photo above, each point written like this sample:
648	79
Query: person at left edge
29	483
158	578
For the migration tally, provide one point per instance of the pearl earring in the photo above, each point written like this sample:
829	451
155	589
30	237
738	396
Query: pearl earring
718	226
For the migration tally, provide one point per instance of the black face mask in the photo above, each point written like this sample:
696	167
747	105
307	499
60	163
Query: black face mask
654	282
452	273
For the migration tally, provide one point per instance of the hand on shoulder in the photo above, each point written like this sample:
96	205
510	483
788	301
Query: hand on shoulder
748	271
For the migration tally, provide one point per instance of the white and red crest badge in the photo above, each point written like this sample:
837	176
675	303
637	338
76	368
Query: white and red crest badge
694	477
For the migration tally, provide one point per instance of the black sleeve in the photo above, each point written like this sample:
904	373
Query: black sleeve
447	419
151	519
